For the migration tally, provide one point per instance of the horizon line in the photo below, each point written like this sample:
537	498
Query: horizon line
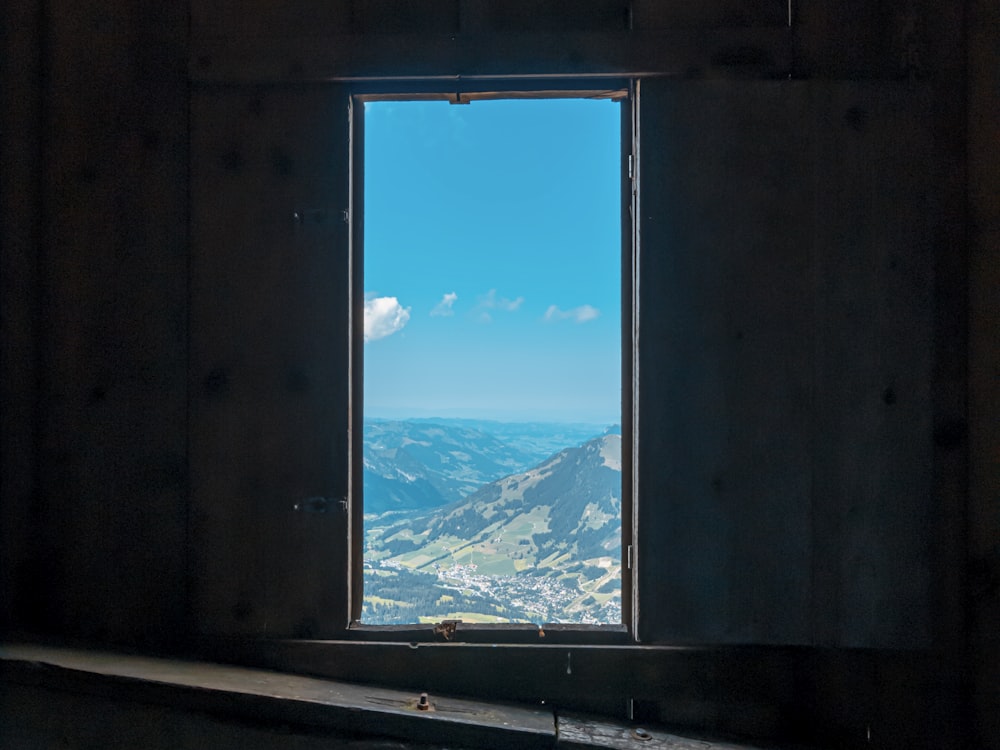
513	416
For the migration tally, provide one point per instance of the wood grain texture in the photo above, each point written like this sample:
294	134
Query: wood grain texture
269	367
824	697
107	555
38	718
348	712
725	363
344	56
310	17
560	15
20	218
874	345
786	435
268	18
654	14
580	733
984	365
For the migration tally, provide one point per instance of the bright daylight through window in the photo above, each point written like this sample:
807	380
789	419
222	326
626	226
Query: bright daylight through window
492	446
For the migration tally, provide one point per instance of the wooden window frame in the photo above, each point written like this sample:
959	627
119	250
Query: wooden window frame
624	91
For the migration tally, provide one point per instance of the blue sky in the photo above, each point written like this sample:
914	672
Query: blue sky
492	259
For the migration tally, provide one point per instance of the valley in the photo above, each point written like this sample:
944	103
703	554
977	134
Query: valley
539	543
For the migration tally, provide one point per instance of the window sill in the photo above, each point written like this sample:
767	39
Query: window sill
316	704
456	631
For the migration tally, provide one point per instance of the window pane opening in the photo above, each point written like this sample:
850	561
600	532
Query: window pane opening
492	361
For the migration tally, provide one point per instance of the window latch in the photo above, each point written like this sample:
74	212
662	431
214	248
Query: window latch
309	216
320	505
447	628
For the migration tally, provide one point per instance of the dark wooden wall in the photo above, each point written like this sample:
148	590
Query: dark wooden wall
95	501
796	315
827	298
269	345
983	596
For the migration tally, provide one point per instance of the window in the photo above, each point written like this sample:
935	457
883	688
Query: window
492	320
733	436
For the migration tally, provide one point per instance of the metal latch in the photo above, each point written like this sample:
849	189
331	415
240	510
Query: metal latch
446	629
320	504
303	216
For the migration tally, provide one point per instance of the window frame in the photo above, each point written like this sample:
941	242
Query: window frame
625	91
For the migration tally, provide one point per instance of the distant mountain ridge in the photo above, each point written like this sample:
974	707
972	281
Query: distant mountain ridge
580	487
543	544
425	463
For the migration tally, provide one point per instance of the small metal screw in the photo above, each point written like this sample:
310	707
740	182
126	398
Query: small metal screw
641	734
423	704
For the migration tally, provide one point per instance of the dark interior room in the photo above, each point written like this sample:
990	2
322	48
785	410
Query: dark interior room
810	543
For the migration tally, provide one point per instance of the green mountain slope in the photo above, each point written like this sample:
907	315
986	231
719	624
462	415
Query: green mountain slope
417	464
541	545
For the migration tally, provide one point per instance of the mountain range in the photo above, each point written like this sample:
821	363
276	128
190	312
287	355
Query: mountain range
424	463
539	545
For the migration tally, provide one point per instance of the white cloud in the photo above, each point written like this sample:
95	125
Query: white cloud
383	317
490	301
580	314
509	305
444	306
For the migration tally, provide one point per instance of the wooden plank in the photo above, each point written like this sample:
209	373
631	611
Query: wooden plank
874	346
269	360
554	15
655	14
823	696
725	363
786	434
855	39
20	219
263	17
311	17
435	16
271	696
39	718
791	694
579	733
983	163
339	56
110	515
